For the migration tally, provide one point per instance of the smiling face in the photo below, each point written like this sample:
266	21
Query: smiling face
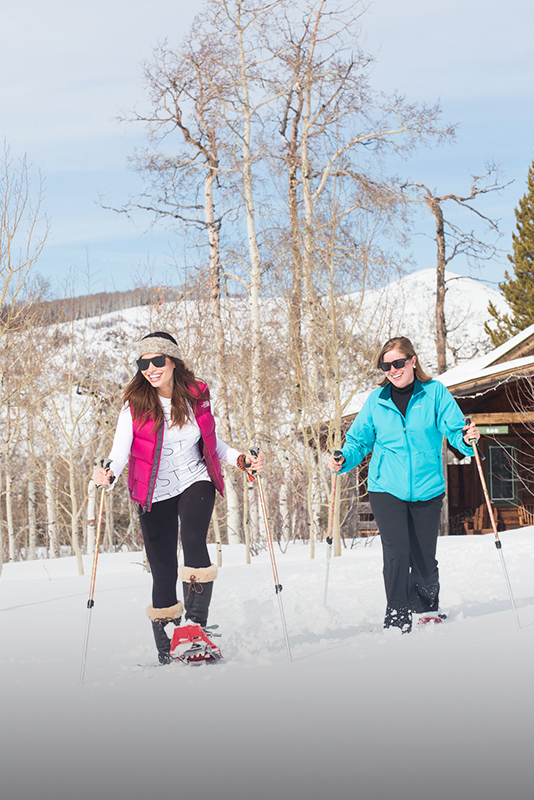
404	375
160	377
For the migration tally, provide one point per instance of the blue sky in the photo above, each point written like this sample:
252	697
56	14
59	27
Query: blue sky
74	67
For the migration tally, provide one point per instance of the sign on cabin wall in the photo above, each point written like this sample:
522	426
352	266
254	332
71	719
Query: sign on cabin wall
492	430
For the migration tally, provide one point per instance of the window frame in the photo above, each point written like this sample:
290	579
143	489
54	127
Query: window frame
506	444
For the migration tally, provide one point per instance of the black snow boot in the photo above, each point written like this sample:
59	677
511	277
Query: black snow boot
160	617
163	643
398	618
198	588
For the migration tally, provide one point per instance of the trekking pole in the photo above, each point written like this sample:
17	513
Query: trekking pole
277	585
498	543
338	455
91	601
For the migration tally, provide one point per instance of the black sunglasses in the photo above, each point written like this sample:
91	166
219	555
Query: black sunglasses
398	364
144	363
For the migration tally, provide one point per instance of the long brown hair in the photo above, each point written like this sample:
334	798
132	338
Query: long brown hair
403	344
143	398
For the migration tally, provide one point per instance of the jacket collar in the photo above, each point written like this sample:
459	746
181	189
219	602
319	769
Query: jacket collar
384	397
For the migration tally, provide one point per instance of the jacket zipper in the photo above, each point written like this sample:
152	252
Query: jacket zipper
408	449
406	439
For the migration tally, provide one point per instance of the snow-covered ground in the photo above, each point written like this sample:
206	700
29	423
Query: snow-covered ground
445	712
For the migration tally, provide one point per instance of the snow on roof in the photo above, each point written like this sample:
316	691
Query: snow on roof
475	370
506	347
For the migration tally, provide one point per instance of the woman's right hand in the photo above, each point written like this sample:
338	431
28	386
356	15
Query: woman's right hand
333	465
103	477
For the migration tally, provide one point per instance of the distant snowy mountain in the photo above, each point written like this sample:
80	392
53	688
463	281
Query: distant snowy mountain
405	306
409	309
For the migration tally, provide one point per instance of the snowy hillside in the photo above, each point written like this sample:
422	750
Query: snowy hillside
405	306
411	304
361	713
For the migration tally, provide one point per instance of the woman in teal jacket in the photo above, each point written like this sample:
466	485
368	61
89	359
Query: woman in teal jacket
403	423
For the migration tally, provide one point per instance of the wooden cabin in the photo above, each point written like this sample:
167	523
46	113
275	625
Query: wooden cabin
497	391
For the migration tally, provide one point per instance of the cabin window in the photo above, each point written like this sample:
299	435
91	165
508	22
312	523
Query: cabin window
502	469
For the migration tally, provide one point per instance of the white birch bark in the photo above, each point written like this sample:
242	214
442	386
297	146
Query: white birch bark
258	430
233	525
9	509
32	520
53	549
285	513
74	528
1	527
110	523
217	535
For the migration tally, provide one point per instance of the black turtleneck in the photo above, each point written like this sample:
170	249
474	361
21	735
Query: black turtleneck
401	396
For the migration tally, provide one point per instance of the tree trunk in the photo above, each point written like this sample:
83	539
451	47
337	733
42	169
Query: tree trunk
110	523
257	424
285	513
441	327
217	534
311	515
1	524
53	549
32	521
133	526
74	527
232	511
9	510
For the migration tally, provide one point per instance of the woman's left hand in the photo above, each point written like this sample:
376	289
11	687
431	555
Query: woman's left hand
471	433
254	463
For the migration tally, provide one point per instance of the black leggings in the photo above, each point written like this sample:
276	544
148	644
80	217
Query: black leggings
193	507
409	533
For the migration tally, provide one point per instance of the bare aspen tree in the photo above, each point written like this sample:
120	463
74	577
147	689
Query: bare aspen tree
334	129
23	232
267	140
185	101
67	422
452	241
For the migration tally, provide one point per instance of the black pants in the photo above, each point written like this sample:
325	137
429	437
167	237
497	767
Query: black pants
409	533
193	508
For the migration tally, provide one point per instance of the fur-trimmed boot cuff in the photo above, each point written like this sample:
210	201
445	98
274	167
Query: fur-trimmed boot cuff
165	614
197	574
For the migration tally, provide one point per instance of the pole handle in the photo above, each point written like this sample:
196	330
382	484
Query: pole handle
473	442
106	463
254	451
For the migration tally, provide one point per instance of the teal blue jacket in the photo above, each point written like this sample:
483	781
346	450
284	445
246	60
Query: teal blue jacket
406	460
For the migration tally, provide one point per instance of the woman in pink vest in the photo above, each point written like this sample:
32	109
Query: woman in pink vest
166	434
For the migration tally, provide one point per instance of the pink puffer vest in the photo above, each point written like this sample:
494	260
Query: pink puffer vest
145	453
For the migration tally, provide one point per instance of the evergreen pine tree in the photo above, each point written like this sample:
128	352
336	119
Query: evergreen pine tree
518	291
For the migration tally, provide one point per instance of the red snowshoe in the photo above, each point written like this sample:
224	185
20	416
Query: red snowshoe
436	618
191	645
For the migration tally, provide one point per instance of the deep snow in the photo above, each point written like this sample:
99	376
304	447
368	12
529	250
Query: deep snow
445	712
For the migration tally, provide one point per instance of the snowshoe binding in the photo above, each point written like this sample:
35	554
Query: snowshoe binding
435	618
191	645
